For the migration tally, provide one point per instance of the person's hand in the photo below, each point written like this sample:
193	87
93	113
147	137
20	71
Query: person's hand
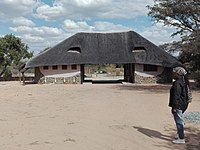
173	110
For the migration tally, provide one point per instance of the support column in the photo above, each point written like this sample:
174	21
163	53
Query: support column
23	78
20	77
82	73
129	73
125	73
132	76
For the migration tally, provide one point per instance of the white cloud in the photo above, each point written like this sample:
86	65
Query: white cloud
126	9
89	3
46	12
16	8
32	39
159	34
37	31
81	26
110	27
87	9
72	26
49	31
69	24
21	29
21	21
39	38
37	44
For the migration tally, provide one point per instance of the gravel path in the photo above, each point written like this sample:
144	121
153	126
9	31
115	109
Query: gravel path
192	117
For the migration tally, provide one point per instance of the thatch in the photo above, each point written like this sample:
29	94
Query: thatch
101	48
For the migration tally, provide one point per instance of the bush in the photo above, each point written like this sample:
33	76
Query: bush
7	75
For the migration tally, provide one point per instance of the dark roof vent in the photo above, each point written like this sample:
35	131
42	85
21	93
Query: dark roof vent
74	50
139	49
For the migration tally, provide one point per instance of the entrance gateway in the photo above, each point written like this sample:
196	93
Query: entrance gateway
105	73
143	62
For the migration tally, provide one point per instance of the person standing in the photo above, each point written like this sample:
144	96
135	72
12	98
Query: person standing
179	101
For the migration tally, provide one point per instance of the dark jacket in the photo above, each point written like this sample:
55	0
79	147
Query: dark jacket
178	95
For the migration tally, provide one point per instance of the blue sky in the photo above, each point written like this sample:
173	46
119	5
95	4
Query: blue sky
44	23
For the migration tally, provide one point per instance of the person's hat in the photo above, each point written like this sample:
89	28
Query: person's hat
180	71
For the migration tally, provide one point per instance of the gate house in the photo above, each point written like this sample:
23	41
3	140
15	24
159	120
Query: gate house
143	61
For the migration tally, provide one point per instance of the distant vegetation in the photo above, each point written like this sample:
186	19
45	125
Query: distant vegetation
13	55
185	16
111	69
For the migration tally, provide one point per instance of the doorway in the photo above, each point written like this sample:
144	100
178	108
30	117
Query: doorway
103	73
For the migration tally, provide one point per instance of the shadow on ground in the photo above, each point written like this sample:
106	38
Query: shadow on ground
159	88
152	133
192	138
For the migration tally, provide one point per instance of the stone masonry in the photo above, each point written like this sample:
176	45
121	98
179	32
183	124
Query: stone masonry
60	80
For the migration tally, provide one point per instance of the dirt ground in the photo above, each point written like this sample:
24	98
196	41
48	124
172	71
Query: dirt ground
90	117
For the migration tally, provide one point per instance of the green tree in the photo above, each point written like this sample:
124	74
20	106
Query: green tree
13	52
185	16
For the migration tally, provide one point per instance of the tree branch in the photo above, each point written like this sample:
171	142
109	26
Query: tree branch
3	71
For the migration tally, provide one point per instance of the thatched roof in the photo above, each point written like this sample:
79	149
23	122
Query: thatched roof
101	48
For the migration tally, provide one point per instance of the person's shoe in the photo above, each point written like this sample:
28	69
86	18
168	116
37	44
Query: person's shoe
179	141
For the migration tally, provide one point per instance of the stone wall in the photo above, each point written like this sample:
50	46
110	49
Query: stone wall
158	76
58	75
144	80
165	76
61	80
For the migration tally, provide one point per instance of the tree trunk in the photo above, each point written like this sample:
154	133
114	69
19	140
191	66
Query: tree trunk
4	69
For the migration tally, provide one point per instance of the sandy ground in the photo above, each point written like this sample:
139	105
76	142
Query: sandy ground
90	117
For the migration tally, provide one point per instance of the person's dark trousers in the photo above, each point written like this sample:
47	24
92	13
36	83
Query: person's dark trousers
178	117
